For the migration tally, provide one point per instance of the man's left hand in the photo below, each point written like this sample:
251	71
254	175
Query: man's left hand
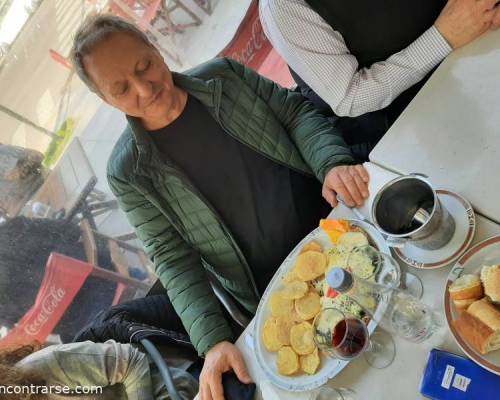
348	181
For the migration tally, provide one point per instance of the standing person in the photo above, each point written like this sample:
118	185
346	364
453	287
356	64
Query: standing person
363	61
219	171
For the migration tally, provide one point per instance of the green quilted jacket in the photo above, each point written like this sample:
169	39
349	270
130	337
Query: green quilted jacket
181	232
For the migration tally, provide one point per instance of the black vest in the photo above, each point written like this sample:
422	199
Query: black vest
373	31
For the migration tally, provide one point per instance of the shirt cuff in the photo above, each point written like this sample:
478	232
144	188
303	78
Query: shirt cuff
429	49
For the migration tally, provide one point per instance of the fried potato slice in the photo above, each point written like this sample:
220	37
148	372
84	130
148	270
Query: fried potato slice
311	246
310	265
281	306
284	325
301	338
295	290
270	335
308	306
295	317
287	361
310	363
291	276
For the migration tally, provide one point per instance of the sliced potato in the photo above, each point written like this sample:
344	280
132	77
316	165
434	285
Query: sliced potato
295	290
287	361
295	317
291	276
270	335
353	239
311	246
284	325
310	362
301	338
308	306
310	265
281	306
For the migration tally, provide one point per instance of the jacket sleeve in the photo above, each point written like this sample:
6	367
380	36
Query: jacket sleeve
320	144
177	266
88	366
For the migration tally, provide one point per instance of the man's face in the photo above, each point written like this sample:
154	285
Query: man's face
131	76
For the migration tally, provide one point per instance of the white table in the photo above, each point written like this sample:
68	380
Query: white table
401	380
451	129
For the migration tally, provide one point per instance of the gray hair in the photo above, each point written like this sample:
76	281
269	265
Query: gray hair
93	31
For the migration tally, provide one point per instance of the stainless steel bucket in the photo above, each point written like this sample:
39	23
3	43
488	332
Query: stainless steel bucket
398	208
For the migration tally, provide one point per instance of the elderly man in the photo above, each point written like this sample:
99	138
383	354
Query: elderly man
217	171
362	60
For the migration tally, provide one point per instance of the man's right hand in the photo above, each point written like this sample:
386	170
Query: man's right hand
348	181
462	21
223	357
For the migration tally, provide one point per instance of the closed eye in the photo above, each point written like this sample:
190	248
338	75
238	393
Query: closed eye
144	67
122	90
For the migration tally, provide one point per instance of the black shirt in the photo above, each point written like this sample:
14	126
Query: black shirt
267	207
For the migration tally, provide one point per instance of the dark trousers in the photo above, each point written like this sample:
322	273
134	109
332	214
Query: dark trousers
139	319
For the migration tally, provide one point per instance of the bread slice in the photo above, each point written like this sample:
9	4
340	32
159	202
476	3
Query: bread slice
466	287
463	304
490	276
479	335
489	315
486	312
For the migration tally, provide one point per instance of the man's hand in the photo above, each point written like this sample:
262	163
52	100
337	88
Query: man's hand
462	21
348	181
223	357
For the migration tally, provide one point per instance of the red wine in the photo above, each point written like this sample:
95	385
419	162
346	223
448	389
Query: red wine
349	337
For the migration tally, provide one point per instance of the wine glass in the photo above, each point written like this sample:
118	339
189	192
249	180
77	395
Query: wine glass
328	393
383	269
346	337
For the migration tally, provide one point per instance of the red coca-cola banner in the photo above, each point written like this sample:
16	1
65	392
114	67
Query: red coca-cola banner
249	45
64	277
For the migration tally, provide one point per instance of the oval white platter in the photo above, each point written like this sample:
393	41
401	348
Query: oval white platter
329	367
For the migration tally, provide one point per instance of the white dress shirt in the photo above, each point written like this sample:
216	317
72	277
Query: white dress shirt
319	55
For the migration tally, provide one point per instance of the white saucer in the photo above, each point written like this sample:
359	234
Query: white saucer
465	222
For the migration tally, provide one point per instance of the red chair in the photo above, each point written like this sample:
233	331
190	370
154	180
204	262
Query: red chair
251	47
64	277
149	11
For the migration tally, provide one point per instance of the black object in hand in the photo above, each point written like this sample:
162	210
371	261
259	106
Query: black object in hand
236	390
